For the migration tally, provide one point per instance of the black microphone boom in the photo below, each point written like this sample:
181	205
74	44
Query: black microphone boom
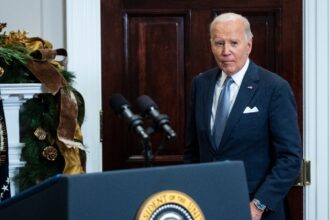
121	107
148	107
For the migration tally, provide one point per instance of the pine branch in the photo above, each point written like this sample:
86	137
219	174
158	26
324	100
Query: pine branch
14	53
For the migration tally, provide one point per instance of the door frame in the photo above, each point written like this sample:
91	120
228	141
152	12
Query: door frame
316	107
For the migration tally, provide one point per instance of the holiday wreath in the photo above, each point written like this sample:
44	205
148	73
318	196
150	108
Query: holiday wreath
50	122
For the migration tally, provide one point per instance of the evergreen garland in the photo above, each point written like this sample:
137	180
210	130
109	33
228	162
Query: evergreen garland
14	53
40	113
12	60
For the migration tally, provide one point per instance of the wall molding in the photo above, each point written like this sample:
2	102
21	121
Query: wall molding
316	106
83	36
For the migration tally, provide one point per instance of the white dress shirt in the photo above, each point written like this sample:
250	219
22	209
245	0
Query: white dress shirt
234	88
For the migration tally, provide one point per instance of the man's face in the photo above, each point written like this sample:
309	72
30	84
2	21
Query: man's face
230	46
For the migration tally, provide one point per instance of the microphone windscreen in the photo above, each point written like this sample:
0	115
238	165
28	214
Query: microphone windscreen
117	101
144	103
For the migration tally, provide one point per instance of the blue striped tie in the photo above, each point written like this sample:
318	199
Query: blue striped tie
222	112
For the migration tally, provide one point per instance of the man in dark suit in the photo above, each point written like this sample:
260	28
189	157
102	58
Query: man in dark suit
260	118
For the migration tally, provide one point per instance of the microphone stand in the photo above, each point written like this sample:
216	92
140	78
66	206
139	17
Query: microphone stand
163	144
147	152
147	148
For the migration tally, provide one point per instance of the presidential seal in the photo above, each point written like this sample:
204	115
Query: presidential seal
170	205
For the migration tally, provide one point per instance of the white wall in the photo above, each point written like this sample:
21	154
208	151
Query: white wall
41	18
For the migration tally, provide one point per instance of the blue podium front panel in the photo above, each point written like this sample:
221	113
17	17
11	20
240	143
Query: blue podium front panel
197	191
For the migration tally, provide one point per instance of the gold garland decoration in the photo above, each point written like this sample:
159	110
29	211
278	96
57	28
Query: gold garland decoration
44	68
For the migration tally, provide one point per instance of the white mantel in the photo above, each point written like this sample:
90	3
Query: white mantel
13	96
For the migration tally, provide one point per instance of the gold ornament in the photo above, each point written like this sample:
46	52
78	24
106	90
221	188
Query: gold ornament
50	153
2	71
40	134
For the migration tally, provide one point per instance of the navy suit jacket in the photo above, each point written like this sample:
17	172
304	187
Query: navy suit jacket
267	141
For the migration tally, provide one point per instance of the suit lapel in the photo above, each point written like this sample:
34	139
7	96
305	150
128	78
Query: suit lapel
208	100
247	90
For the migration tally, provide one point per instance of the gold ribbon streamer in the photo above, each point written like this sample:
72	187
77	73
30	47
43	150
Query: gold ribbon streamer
72	159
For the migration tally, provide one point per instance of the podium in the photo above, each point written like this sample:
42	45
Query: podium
212	191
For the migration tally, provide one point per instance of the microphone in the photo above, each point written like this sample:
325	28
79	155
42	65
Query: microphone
121	107
148	107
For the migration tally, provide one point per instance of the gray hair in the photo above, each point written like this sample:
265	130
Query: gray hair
230	17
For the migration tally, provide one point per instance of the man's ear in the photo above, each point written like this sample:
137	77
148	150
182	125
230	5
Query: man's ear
250	45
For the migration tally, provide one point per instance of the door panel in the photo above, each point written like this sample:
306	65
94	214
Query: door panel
156	47
155	62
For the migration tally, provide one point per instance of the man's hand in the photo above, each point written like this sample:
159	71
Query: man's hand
255	213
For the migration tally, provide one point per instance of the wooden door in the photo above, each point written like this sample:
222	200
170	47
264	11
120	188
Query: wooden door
156	47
